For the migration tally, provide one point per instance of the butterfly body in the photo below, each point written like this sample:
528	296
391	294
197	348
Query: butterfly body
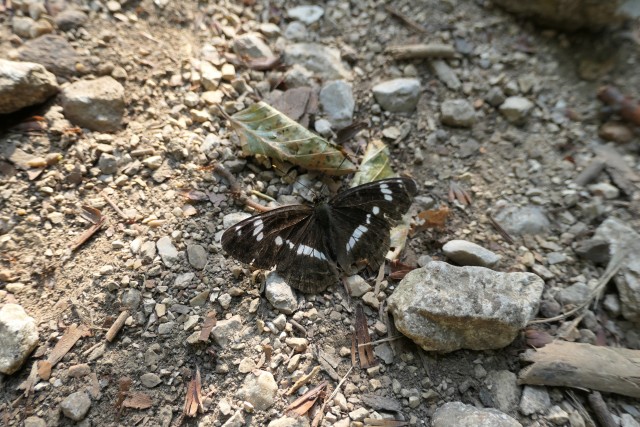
307	244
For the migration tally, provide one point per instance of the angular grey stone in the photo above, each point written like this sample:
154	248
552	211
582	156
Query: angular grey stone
296	31
225	330
280	294
259	389
523	220
516	109
398	95
183	280
468	253
150	380
458	113
18	335
445	74
94	104
108	164
336	99
289	422
69	19
54	52
621	237
322	60
131	299
229	220
307	14
34	421
23	84
595	250
504	390
495	96
534	400
459	414
76	405
197	256
445	308
357	286
167	251
252	46
236	420
166	328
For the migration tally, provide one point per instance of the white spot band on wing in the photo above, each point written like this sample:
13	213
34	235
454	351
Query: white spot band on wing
357	233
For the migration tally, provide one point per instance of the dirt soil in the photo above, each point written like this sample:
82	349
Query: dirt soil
494	160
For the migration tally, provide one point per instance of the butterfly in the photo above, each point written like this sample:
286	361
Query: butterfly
309	244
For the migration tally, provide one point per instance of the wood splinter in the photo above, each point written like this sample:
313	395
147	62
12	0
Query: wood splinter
117	325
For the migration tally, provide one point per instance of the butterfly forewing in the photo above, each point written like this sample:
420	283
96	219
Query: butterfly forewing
258	239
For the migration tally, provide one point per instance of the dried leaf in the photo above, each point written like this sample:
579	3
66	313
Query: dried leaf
265	131
301	405
44	369
432	218
398	237
537	338
456	192
303	380
124	384
193	399
365	350
137	400
68	340
375	164
91	214
28	384
292	102
209	323
399	270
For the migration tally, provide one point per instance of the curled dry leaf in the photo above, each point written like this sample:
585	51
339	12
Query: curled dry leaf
265	131
301	405
456	192
363	339
193	399
375	164
399	270
345	134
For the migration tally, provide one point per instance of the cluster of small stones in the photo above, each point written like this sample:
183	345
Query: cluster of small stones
493	119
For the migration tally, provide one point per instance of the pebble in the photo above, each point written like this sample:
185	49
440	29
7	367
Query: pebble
457	113
324	61
299	345
76	405
495	96
516	109
534	400
183	280
336	99
280	294
225	330
323	127
504	390
306	14
236	420
197	256
557	416
523	220
34	421
463	252
430	302
296	32
398	95
131	299
94	104
18	335
359	414
167	251
200	299
370	299
604	189
211	76
575	294
445	74
259	389
246	365
150	380
69	19
251	46
357	286
54	52
166	328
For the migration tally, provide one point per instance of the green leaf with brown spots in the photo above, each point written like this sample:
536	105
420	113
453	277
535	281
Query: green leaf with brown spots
375	164
265	131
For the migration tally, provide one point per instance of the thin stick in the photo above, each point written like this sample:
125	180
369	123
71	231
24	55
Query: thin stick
115	207
422	51
600	408
380	341
318	418
117	325
501	231
406	20
612	269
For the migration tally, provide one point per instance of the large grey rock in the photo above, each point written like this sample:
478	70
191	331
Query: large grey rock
398	95
445	308
259	389
18	335
468	253
523	220
23	84
94	104
621	237
461	415
336	98
323	61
